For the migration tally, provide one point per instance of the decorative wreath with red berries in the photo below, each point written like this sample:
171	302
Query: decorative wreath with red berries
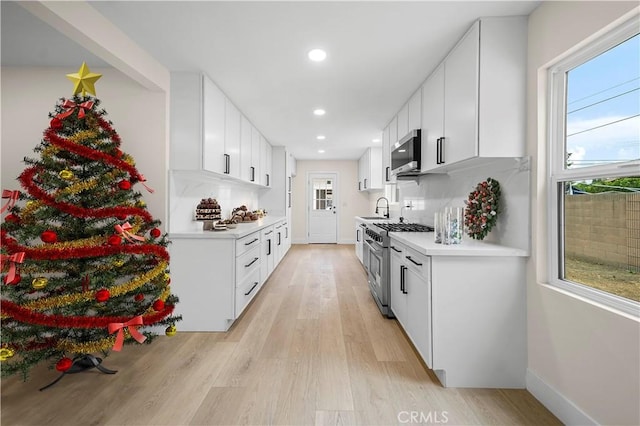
483	206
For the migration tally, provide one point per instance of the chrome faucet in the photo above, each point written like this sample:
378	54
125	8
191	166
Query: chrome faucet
377	201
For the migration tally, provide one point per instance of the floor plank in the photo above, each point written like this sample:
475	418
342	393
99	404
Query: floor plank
312	348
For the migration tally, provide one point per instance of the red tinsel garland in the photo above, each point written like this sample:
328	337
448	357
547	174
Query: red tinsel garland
29	316
80	252
26	179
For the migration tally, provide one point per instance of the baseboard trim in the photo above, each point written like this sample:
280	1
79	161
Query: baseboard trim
561	406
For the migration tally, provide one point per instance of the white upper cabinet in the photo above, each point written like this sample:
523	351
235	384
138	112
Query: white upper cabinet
265	163
474	103
415	110
246	130
232	138
393	132
386	156
214	158
208	132
292	166
403	121
369	170
432	118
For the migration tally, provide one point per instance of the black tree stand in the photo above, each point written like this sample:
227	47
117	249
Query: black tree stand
82	363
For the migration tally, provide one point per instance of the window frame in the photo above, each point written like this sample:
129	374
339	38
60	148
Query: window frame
558	174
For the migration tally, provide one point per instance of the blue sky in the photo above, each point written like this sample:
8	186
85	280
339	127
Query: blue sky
600	92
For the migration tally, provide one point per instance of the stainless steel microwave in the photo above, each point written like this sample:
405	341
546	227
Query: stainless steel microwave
406	155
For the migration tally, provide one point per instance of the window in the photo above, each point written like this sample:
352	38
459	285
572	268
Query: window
322	194
594	165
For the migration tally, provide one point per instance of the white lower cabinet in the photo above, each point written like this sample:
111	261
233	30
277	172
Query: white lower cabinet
411	296
465	315
216	278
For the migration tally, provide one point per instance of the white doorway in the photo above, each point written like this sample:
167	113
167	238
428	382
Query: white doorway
322	223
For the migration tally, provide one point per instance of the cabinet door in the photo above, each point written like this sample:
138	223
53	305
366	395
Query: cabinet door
255	155
461	99
418	326
415	110
375	168
393	132
386	156
403	121
232	137
214	158
432	118
398	298
265	162
245	149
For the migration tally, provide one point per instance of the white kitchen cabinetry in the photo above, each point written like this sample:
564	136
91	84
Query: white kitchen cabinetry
265	162
386	156
411	296
281	235
276	199
415	110
483	100
370	170
359	240
208	133
403	121
267	264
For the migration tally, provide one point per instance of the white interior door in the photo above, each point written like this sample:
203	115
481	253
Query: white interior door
323	199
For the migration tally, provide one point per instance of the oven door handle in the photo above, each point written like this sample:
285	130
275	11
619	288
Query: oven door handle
377	251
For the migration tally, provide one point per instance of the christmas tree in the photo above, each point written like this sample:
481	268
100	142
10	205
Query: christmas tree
85	265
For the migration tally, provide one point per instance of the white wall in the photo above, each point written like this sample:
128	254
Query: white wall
138	115
352	202
584	359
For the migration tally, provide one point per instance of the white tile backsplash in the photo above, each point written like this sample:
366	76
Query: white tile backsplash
187	189
434	192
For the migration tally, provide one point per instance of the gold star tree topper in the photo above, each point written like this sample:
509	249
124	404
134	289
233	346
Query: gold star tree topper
84	80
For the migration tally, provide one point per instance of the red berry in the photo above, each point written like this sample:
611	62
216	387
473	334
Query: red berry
12	218
115	240
55	124
158	305
64	364
155	232
102	295
49	236
124	185
138	297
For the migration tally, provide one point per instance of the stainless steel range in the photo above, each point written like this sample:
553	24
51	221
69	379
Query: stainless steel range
377	259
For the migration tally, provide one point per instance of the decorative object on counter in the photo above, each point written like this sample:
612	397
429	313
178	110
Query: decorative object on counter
208	211
242	215
448	226
483	206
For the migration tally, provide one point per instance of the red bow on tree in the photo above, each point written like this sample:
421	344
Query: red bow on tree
133	331
14	258
70	106
12	196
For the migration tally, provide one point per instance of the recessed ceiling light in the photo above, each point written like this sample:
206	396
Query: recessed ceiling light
321	151
317	55
319	111
320	137
375	140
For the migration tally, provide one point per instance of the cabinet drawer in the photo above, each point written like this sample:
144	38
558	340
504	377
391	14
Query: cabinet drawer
247	243
247	263
396	249
419	263
246	290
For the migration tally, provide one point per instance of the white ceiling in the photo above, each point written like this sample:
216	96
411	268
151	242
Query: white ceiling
378	55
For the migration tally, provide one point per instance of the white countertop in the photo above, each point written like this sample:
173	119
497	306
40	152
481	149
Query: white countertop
368	219
244	228
423	242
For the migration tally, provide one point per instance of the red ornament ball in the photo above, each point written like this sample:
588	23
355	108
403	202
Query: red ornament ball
115	240
56	124
155	232
138	297
12	218
124	185
158	305
64	364
102	295
16	280
121	216
49	236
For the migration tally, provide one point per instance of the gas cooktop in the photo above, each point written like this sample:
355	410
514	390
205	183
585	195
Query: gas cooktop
404	227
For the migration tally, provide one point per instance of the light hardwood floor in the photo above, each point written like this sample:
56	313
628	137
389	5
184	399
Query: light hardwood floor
311	349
